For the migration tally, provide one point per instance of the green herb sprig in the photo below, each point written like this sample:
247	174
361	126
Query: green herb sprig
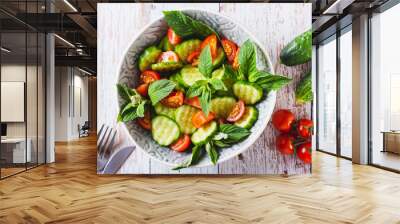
133	104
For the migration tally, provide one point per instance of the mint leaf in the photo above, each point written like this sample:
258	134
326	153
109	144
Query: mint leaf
159	89
205	100
205	64
125	92
230	134
268	81
217	84
197	152
212	153
247	58
185	26
197	88
140	109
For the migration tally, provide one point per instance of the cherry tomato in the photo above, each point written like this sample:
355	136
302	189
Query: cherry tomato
193	58
212	41
145	122
230	49
304	128
283	120
303	152
199	119
237	112
168	56
221	121
142	89
174	99
149	76
284	143
173	38
194	102
235	63
181	144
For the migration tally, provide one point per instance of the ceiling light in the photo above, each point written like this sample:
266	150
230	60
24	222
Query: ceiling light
70	5
5	50
65	41
84	71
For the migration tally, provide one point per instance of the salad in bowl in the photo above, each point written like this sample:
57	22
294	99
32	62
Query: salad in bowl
196	88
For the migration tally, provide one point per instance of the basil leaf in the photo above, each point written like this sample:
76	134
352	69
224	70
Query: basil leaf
247	58
231	73
125	92
129	115
221	144
212	152
159	89
197	152
140	109
218	84
268	81
234	134
196	89
127	107
205	101
185	26
205	63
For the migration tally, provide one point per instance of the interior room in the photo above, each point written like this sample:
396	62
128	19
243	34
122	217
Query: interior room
49	74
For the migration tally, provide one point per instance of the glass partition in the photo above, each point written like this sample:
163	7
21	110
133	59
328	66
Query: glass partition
327	96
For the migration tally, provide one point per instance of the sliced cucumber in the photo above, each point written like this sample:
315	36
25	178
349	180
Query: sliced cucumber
183	116
163	110
228	81
166	66
250	93
249	117
222	106
177	79
164	130
205	133
219	58
165	45
148	57
190	75
186	47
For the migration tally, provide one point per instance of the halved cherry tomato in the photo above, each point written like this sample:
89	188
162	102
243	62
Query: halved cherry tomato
237	112
142	89
149	76
193	57
199	119
145	122
304	128
221	121
213	42
283	120
303	151
181	144
173	38
235	64
194	101
168	56
284	143
230	49
174	99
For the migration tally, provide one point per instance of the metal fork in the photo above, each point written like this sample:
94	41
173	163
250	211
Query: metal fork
105	143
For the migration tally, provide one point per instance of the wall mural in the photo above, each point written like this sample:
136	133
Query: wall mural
218	88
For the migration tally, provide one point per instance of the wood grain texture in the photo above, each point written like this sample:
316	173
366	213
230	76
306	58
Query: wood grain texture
274	25
69	191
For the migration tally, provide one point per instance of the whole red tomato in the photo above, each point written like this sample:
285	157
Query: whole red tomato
304	128
283	120
303	152
284	143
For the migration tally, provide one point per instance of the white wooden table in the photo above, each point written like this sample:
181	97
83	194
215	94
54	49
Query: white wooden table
274	25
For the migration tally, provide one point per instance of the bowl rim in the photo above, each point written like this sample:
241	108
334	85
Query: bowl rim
270	94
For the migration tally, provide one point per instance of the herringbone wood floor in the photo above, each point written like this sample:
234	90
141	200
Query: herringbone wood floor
69	191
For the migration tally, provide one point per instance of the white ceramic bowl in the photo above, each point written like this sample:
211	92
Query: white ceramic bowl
129	75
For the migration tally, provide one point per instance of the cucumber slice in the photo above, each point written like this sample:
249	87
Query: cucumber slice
164	130
190	75
250	93
163	110
165	45
148	57
205	133
222	106
228	81
219	58
166	66
186	47
249	117
184	116
177	79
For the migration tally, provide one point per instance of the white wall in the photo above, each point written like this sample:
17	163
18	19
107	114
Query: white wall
71	102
